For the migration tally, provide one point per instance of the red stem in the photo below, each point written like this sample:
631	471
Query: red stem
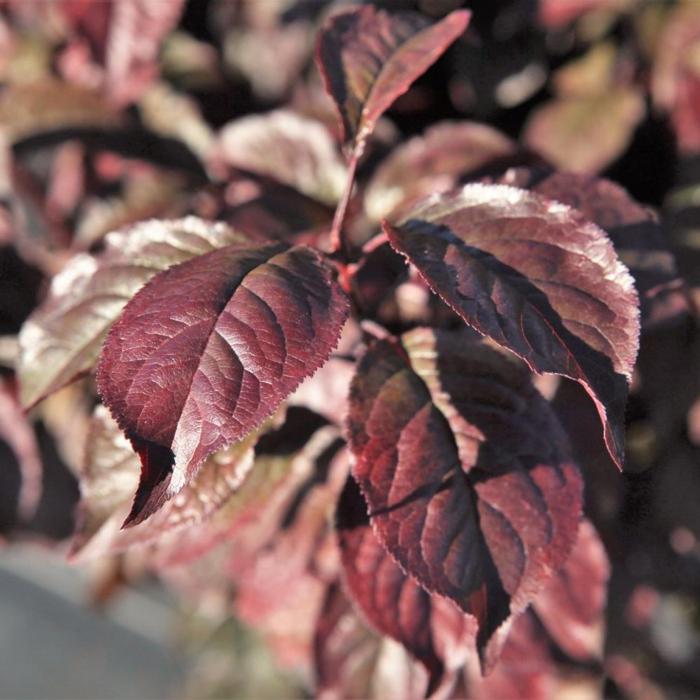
337	240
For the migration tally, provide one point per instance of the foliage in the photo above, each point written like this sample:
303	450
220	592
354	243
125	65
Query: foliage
324	370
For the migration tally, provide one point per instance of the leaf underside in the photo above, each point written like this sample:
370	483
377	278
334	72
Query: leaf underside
208	349
465	471
539	280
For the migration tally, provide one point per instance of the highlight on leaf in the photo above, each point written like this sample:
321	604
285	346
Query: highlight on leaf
211	347
538	279
465	470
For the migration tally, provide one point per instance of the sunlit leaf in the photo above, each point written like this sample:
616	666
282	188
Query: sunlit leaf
538	279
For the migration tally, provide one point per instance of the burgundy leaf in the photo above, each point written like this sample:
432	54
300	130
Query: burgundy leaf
572	606
432	163
431	628
635	230
465	470
538	279
208	349
368	58
110	477
62	338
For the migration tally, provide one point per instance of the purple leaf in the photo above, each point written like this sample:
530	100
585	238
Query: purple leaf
211	347
538	279
465	470
368	58
61	340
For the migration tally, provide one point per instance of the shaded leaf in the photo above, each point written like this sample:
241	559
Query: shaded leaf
431	628
211	347
585	134
538	279
465	470
368	58
636	232
432	163
291	149
62	338
109	480
572	605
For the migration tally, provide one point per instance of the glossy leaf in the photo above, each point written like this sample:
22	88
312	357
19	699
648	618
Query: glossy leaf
291	149
208	349
368	58
585	134
432	163
538	279
62	338
636	232
109	480
465	470
431	628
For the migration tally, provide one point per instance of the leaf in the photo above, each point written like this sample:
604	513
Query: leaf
109	480
211	347
428	626
367	58
62	338
585	134
636	232
538	279
465	470
291	149
572	605
432	163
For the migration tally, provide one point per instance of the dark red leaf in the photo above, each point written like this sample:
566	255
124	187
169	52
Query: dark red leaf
62	338
208	349
538	279
635	230
433	629
465	470
368	58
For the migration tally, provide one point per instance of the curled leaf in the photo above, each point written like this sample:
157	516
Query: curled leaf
465	470
62	338
211	347
538	279
368	57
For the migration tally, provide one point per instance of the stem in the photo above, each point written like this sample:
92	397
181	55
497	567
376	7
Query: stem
337	240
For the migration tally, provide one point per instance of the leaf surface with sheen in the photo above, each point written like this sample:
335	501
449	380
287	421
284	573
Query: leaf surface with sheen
211	347
538	279
465	470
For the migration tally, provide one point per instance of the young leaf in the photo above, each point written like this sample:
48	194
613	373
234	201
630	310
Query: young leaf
538	279
465	470
291	149
367	58
62	338
211	347
109	480
392	601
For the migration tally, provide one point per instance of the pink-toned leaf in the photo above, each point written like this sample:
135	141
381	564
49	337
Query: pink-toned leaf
585	134
635	230
572	605
61	340
431	628
211	347
465	470
368	58
537	278
432	163
110	477
291	149
18	433
556	13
